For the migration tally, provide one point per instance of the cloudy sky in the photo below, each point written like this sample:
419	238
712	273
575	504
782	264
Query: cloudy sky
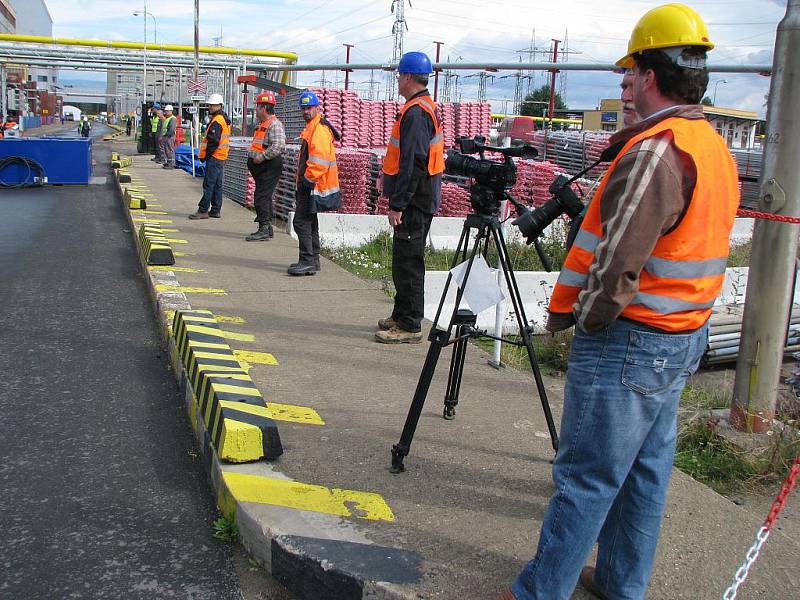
472	31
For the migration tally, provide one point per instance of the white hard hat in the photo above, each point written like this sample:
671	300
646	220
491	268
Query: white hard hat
168	107
215	99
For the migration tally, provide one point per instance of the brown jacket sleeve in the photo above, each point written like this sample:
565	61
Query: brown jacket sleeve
646	195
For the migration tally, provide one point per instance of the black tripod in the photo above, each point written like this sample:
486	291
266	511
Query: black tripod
487	227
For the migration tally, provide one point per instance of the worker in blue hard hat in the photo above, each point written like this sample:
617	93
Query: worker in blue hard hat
317	183
412	180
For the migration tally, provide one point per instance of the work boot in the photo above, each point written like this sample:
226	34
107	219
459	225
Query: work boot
198	215
395	335
214	215
167	166
302	269
264	233
386	324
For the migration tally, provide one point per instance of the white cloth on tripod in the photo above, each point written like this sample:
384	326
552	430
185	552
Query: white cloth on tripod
482	291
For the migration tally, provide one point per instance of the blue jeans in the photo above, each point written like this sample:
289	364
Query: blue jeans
614	460
212	186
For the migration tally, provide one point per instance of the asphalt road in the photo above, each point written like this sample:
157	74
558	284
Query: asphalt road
103	494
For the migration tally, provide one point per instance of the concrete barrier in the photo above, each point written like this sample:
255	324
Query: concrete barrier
154	246
227	401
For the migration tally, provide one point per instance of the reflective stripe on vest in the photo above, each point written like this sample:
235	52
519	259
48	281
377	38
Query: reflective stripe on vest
221	152
686	270
321	164
260	133
391	163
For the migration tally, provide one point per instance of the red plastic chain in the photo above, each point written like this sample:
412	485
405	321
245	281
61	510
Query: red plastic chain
788	485
743	212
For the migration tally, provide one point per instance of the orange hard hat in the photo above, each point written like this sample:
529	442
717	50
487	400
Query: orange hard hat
266	98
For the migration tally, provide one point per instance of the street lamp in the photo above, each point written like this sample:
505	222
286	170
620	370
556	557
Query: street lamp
147	13
714	99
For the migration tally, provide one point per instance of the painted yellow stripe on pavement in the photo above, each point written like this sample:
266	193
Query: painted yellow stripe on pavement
241	337
305	496
256	358
148	220
227	319
279	412
164	230
154	212
184	253
175	269
172	241
160	287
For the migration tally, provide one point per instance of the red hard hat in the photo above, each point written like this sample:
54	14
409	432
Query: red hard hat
266	98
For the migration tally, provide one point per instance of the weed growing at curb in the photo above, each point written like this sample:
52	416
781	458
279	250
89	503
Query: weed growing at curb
225	529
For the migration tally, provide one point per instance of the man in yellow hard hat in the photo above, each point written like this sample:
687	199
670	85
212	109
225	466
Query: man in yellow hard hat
638	284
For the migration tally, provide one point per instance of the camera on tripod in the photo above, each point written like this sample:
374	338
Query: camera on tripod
492	179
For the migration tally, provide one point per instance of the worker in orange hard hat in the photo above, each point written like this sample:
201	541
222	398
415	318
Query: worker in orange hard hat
265	163
638	284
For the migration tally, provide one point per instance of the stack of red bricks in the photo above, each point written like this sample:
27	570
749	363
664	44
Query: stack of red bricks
447	112
351	119
472	119
455	201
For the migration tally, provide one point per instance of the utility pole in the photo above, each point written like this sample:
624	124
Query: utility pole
482	77
436	72
770	282
196	75
218	39
553	72
372	84
398	27
347	61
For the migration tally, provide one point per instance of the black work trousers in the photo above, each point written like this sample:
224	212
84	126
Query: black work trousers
306	226
408	268
266	176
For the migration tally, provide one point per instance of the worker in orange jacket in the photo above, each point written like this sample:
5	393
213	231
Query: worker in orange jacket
638	284
214	150
317	183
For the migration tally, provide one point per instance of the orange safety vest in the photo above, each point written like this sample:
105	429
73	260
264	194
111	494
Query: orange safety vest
221	152
391	164
686	270
260	134
321	165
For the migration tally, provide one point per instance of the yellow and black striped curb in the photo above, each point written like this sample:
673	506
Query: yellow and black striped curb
118	161
233	410
154	246
117	133
134	199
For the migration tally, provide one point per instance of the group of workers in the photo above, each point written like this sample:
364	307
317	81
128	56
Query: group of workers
163	133
638	285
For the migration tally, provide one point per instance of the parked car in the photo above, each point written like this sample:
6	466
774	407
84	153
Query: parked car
516	131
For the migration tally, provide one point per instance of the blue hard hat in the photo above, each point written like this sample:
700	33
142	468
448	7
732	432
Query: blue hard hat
415	63
308	99
156	105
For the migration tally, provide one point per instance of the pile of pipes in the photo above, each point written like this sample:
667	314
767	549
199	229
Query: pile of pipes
748	164
573	151
725	332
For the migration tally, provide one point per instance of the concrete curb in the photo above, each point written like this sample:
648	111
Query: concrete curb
315	555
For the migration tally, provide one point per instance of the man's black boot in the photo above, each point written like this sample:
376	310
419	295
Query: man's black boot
264	234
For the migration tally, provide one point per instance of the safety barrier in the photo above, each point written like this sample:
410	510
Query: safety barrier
133	199
121	162
154	245
119	131
235	413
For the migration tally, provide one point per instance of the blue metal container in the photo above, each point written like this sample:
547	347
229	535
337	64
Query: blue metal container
63	160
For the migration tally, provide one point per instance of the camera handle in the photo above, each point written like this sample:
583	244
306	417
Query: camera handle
463	322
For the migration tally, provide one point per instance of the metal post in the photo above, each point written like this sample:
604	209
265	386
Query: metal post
244	110
144	54
196	116
347	61
180	92
772	268
436	72
553	72
3	93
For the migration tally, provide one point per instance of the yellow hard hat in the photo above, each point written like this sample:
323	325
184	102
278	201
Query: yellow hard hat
666	26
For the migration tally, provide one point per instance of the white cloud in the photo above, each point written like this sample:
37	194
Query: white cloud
476	30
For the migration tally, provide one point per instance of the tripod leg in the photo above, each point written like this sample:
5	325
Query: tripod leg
522	322
464	320
401	449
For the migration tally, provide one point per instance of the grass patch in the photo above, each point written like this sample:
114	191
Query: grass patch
704	453
552	351
740	254
225	529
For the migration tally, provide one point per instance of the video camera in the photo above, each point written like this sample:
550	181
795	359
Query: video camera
492	179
